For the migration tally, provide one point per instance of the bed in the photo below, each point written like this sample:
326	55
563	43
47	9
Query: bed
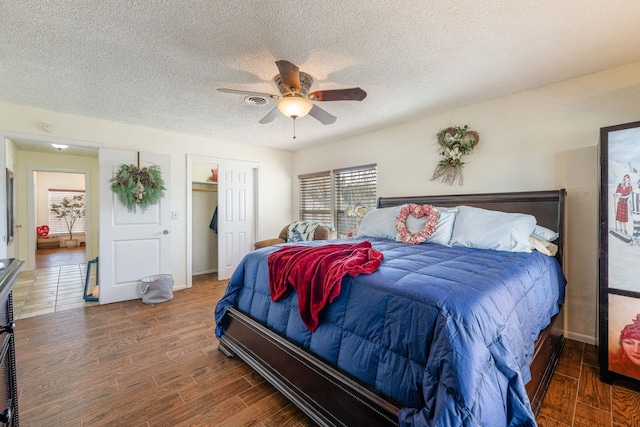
327	386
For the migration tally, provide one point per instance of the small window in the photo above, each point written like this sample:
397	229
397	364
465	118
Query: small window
355	196
340	197
315	197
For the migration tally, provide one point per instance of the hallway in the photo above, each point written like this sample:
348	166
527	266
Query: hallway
58	257
57	283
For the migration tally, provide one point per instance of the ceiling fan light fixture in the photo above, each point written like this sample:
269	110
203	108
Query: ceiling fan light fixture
294	106
294	100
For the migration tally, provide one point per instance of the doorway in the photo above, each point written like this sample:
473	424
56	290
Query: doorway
234	238
28	153
42	182
204	218
59	189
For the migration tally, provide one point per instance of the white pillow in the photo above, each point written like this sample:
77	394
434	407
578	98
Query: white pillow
380	223
486	229
444	227
544	233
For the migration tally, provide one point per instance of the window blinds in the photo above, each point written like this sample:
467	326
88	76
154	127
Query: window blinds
59	226
355	187
315	197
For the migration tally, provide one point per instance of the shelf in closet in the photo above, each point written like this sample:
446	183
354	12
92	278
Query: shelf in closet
213	186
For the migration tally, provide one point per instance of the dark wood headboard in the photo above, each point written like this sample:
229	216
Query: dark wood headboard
546	206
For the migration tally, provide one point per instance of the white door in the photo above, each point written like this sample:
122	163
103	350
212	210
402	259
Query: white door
132	246
236	219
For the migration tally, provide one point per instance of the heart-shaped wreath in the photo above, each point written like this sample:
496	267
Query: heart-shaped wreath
455	142
418	211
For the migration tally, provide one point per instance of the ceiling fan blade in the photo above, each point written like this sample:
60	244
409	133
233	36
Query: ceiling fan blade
270	116
289	73
352	94
322	116
246	92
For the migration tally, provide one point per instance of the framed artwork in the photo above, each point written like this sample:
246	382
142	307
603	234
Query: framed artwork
619	312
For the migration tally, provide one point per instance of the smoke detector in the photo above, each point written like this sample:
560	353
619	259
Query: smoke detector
256	100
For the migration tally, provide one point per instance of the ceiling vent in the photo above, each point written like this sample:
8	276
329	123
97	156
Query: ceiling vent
256	100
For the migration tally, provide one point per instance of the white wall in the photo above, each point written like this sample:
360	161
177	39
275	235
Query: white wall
536	140
275	195
202	172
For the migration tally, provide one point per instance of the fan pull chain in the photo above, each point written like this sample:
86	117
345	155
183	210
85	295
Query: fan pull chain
294	126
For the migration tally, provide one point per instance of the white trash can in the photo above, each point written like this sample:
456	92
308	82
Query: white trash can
157	288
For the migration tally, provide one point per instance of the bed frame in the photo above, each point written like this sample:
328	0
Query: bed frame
331	397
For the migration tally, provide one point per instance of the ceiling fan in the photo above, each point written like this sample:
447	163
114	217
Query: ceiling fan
295	99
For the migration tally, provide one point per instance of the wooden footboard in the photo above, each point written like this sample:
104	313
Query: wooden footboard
330	397
548	348
327	395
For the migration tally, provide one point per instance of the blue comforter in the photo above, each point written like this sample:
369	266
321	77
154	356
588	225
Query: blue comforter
448	332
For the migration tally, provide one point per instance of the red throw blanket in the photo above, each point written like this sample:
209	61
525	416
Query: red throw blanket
316	273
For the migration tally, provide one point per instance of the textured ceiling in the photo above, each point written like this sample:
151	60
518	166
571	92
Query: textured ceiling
157	63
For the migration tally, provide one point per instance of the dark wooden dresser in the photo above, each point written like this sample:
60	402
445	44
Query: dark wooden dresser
8	385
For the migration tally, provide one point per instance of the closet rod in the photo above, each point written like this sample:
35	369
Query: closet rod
206	191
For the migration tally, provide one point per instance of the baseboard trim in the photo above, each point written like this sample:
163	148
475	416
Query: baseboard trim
588	339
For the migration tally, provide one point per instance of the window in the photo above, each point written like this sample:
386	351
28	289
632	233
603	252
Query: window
315	197
59	226
355	195
353	187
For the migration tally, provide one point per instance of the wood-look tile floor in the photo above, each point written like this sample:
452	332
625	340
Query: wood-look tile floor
131	364
577	397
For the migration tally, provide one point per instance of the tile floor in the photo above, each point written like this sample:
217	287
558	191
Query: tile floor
50	289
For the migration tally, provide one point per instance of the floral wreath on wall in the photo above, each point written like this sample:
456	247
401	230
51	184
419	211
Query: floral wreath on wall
137	186
455	142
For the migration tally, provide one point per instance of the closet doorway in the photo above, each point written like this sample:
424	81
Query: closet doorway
235	196
204	202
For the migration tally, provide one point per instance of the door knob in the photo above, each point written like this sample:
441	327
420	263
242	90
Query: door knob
166	231
18	226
